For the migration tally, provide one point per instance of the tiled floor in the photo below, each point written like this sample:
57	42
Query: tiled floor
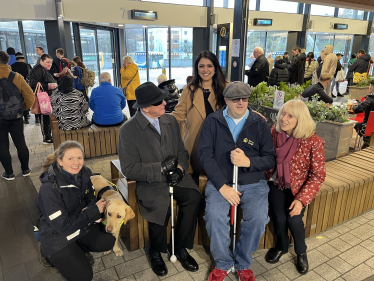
344	252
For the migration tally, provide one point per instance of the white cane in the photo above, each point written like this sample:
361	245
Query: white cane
234	208
173	258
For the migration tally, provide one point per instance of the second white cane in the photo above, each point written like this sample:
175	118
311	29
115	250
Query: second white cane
173	258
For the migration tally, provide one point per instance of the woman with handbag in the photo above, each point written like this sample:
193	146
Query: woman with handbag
40	74
130	81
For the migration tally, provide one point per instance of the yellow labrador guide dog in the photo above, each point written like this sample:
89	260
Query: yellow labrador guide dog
116	213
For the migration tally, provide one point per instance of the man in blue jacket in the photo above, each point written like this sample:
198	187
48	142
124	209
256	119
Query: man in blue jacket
235	135
107	103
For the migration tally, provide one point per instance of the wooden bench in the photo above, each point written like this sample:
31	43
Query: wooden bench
347	192
96	140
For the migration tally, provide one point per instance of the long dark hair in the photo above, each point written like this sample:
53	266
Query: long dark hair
219	80
66	84
79	62
310	56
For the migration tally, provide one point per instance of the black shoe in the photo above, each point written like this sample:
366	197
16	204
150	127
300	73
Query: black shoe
90	258
37	120
333	96
187	261
47	141
9	177
302	264
44	260
340	95
28	116
26	173
26	121
157	263
273	255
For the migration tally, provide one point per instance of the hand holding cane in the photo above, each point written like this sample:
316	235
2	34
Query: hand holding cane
234	207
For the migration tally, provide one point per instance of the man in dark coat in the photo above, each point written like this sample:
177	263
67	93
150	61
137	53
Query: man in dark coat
259	71
296	67
152	153
319	89
360	65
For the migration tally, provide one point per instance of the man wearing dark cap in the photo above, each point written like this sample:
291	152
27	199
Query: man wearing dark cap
12	54
152	153
235	135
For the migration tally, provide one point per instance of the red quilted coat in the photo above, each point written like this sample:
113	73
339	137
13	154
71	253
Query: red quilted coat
307	167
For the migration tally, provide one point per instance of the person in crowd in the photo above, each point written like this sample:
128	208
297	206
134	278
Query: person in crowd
63	64
279	73
285	57
39	51
329	65
259	71
295	179
24	69
161	78
349	76
319	69
334	82
13	125
235	135
319	59
107	103
271	62
366	106
319	89
40	74
152	153
251	61
296	67
130	80
173	94
68	208
311	65
201	97
12	54
77	75
69	105
360	65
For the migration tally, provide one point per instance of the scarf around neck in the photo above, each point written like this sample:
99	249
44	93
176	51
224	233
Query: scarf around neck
285	150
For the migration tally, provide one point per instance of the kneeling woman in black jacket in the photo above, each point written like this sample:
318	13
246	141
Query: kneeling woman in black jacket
69	208
279	73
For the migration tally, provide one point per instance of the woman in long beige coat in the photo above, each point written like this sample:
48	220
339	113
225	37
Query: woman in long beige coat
202	96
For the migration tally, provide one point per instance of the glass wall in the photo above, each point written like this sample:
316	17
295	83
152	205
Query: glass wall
254	39
158	51
136	48
319	10
89	52
180	2
181	61
104	42
9	36
34	33
278	6
351	14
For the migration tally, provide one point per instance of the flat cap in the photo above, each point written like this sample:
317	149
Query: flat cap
237	90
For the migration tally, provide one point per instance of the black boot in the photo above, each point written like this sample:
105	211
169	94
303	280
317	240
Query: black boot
43	259
302	264
273	255
157	263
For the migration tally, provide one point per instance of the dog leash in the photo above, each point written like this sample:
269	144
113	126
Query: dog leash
110	183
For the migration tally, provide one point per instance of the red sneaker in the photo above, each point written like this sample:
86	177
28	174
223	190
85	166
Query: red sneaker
246	275
217	275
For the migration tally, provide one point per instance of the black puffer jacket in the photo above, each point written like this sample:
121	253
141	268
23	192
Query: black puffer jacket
296	69
39	74
360	65
367	105
61	200
279	73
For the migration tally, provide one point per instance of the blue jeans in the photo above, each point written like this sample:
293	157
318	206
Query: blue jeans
254	203
334	83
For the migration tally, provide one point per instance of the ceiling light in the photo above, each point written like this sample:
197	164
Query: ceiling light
150	11
120	25
144	26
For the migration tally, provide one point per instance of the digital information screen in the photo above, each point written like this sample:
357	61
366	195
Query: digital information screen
266	22
340	26
143	15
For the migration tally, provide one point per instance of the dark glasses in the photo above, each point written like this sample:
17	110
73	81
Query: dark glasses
237	100
158	103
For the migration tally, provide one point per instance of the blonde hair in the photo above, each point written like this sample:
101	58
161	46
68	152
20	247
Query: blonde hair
128	59
60	152
325	77
303	51
305	126
278	57
161	78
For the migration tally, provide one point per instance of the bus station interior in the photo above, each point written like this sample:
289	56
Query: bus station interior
102	33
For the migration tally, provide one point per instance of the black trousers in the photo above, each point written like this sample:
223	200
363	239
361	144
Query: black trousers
279	202
130	103
15	129
188	200
71	260
45	127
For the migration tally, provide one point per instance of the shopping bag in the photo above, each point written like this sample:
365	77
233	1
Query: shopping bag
340	76
35	109
358	77
44	101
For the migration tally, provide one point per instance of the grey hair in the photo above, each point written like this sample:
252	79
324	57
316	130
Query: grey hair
260	50
128	59
105	77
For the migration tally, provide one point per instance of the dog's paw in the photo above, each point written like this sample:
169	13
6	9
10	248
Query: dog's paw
107	252
118	252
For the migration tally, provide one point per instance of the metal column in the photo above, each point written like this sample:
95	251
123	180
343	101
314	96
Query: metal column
302	35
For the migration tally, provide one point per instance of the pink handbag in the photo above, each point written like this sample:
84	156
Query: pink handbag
44	100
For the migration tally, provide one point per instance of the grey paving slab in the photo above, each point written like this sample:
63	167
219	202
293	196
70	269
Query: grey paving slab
98	265
370	262
182	276
289	270
339	244
128	278
368	244
340	265
257	268
146	275
327	272
132	255
111	260
16	273
35	270
328	250
172	270
315	258
314	242
363	232
311	275
356	255
132	267
350	239
358	273
274	275
106	275
202	274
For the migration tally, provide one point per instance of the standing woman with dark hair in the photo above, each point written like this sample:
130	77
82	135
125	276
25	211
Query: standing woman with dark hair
310	66
77	75
68	208
201	97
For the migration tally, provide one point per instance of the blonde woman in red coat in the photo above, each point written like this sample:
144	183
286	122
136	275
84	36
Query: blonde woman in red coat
297	176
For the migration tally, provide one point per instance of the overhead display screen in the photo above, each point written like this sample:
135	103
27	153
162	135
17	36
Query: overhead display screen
143	15
264	22
340	26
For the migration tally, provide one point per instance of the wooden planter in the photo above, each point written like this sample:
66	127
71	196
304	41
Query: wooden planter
337	137
358	92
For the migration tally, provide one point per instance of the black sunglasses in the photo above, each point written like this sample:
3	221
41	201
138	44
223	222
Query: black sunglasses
158	103
237	100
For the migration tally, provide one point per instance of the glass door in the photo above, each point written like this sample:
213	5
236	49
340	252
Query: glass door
90	55
106	60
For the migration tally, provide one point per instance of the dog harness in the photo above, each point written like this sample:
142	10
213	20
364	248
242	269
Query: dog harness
101	192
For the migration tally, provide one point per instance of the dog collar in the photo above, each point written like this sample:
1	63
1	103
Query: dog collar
104	222
101	192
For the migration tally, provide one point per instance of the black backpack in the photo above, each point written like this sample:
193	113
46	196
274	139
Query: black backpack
11	100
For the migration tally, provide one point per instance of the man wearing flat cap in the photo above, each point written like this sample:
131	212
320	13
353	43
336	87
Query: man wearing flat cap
152	153
235	135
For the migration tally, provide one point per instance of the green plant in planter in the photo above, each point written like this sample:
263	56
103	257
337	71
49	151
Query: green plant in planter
260	95
320	112
365	82
338	113
307	84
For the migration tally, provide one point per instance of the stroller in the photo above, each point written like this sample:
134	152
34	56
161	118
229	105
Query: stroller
173	96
